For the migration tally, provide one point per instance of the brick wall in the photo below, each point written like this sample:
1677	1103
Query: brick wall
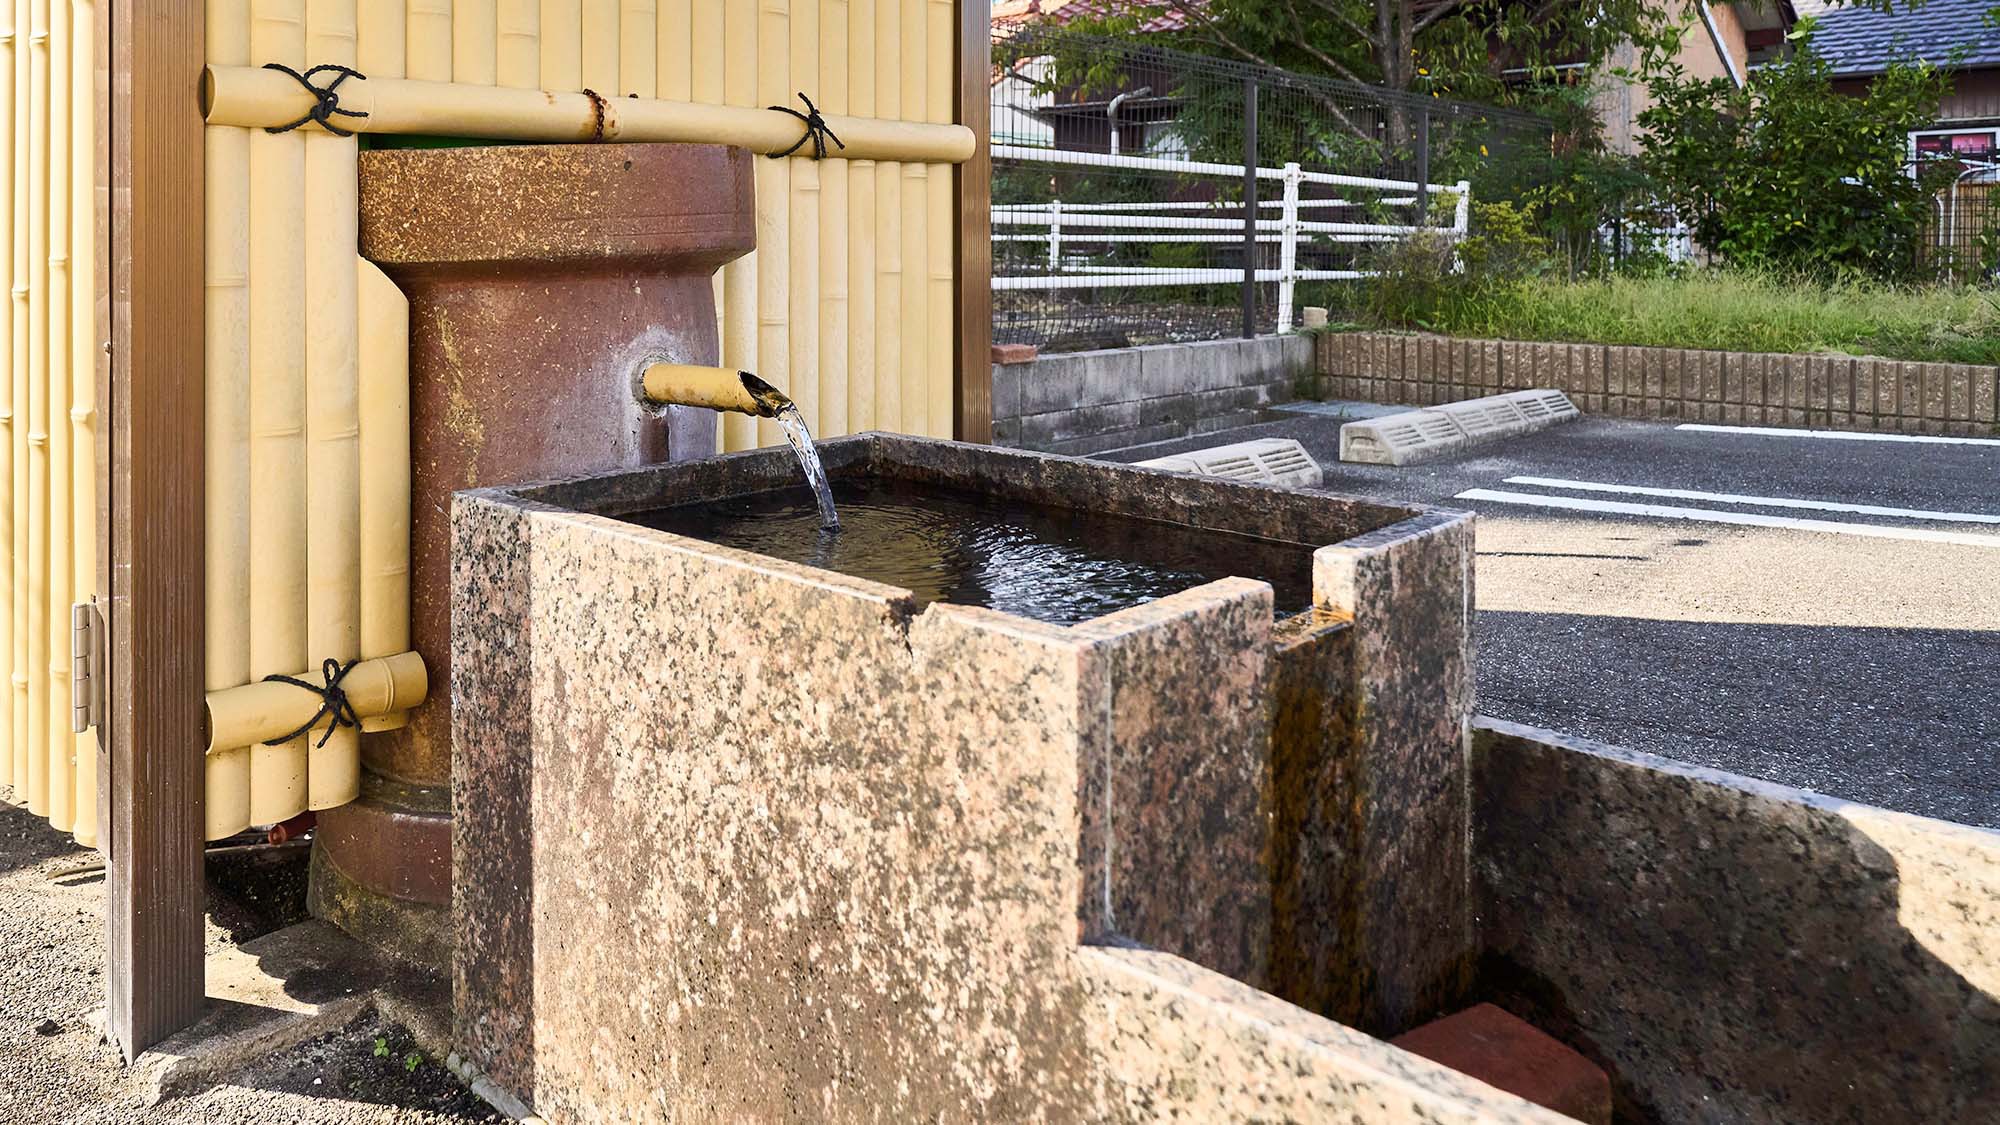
1088	402
1672	384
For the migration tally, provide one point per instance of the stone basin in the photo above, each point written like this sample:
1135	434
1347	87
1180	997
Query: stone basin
759	840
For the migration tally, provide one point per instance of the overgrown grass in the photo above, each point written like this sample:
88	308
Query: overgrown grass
1729	310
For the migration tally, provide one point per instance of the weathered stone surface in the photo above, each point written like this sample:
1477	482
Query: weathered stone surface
1731	950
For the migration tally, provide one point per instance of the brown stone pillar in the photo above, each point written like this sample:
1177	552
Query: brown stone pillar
541	279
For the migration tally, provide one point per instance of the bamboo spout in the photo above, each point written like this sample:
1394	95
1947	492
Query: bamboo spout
717	388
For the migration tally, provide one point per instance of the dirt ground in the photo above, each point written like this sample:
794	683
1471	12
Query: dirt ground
55	1068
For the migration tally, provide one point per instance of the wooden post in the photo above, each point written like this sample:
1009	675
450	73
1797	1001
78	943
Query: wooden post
153	741
972	405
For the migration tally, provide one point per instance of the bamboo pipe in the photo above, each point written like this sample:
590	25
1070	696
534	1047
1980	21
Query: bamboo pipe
333	422
427	42
916	215
774	214
562	45
519	55
715	388
61	745
804	368
384	331
38	407
737	23
600	46
381	38
278	785
15	401
253	713
638	37
475	43
889	311
226	423
22	499
674	77
862	410
83	347
258	98
831	223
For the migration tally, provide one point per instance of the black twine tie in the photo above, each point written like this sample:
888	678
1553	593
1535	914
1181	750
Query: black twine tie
328	96
332	701
816	130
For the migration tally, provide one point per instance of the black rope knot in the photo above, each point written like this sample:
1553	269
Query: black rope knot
816	130
332	701
328	95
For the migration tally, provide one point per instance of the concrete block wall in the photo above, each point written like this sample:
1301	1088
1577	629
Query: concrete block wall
1671	384
1088	402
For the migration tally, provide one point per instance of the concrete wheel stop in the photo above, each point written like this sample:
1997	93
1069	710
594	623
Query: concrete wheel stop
1423	435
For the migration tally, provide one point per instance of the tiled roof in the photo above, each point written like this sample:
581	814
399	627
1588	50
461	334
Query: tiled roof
1858	40
1014	13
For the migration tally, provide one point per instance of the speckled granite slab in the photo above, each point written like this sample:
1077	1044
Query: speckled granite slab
759	840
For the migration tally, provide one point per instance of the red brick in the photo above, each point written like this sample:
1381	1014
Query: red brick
1014	353
1504	1051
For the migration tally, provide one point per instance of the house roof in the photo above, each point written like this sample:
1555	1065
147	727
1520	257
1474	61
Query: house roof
1858	40
1016	13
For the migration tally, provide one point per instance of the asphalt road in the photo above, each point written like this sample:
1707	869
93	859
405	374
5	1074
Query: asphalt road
1817	654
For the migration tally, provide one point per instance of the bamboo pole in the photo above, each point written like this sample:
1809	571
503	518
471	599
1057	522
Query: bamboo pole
938	107
802	266
600	46
61	745
916	195
259	98
862	410
674	76
381	38
638	40
775	277
384	337
333	484
475	37
277	411
831	224
738	25
38	406
226	424
519	61
84	350
9	43
252	713
562	45
23	500
428	45
888	224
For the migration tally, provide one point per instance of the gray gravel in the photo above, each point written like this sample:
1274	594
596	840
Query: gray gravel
54	1068
1863	668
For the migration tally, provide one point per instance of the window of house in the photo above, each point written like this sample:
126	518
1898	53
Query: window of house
1970	144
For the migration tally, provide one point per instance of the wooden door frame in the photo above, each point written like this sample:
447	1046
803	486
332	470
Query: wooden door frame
150	521
973	255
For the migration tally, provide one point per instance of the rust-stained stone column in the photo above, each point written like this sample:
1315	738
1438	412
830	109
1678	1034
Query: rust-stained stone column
541	278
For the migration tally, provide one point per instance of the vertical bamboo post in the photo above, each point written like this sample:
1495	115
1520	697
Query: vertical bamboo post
519	55
475	39
384	392
38	406
562	45
600	46
862	410
674	74
277	412
941	51
638	40
705	84
381	37
916	251
9	41
972	311
831	223
23	500
889	311
802	265
774	190
333	424
226	425
738	25
84	352
428	41
61	745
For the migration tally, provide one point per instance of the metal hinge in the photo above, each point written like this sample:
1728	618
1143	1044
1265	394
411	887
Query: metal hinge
86	666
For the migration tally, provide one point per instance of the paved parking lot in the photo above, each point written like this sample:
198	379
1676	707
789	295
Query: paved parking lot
1822	613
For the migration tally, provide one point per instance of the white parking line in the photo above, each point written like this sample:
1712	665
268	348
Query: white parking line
1757	501
1836	435
1751	519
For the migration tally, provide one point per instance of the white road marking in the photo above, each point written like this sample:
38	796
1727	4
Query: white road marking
1836	435
1758	501
1751	519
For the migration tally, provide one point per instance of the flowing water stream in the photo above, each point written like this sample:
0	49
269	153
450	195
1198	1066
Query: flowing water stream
791	421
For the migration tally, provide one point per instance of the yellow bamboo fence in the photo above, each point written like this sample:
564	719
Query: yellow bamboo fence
846	305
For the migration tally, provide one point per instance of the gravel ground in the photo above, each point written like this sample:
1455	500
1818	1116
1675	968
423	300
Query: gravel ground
54	1067
1855	666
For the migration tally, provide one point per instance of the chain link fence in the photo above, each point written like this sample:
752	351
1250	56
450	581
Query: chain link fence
1143	195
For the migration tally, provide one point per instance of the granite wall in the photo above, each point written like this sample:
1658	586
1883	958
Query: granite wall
1732	950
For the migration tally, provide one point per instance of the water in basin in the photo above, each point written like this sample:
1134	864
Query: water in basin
1038	561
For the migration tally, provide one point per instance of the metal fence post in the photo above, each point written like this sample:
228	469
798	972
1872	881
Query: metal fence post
1424	167
1055	237
1288	248
1249	207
